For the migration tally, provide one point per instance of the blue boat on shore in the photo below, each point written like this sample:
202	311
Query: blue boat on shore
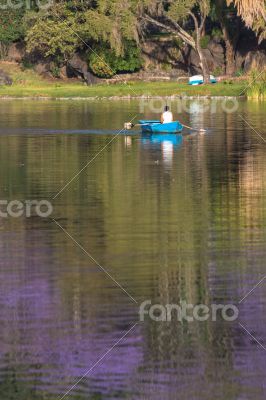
155	126
198	80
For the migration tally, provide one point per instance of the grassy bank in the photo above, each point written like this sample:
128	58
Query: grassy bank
257	86
28	84
71	90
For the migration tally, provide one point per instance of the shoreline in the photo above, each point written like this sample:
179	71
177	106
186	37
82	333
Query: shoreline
120	98
27	85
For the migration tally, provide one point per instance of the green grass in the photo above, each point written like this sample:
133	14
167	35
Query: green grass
66	90
257	87
28	84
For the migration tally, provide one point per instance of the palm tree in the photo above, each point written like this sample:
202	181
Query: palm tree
253	13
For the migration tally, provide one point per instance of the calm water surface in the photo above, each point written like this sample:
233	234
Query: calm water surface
170	219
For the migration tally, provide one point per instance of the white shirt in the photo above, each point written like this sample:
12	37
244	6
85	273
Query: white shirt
167	117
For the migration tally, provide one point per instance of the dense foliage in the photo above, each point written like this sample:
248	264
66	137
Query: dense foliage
11	28
105	63
254	14
105	27
50	39
111	32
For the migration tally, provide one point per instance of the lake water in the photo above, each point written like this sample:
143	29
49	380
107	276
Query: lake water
165	219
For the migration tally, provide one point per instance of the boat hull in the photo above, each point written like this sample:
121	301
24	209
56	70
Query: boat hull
198	80
154	126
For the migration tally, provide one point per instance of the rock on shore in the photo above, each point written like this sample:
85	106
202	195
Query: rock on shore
5	79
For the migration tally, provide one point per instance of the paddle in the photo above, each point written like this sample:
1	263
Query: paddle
194	129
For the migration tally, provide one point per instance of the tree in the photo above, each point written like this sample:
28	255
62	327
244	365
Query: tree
52	39
111	22
68	26
230	26
11	29
104	63
253	13
173	17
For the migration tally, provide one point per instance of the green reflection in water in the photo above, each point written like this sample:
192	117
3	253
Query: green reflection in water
169	223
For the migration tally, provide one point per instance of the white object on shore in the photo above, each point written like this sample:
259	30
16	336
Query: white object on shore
198	80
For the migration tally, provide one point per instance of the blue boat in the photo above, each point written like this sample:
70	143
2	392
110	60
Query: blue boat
155	126
198	80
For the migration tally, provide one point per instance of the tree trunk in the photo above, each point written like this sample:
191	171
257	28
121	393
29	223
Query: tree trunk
203	62
230	35
188	39
203	65
229	57
3	51
230	65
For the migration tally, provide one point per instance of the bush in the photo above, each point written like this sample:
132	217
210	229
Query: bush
55	71
100	66
240	72
130	62
217	33
11	29
217	71
257	85
204	41
104	63
26	64
52	39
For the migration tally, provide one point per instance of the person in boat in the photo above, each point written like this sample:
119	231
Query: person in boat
167	116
